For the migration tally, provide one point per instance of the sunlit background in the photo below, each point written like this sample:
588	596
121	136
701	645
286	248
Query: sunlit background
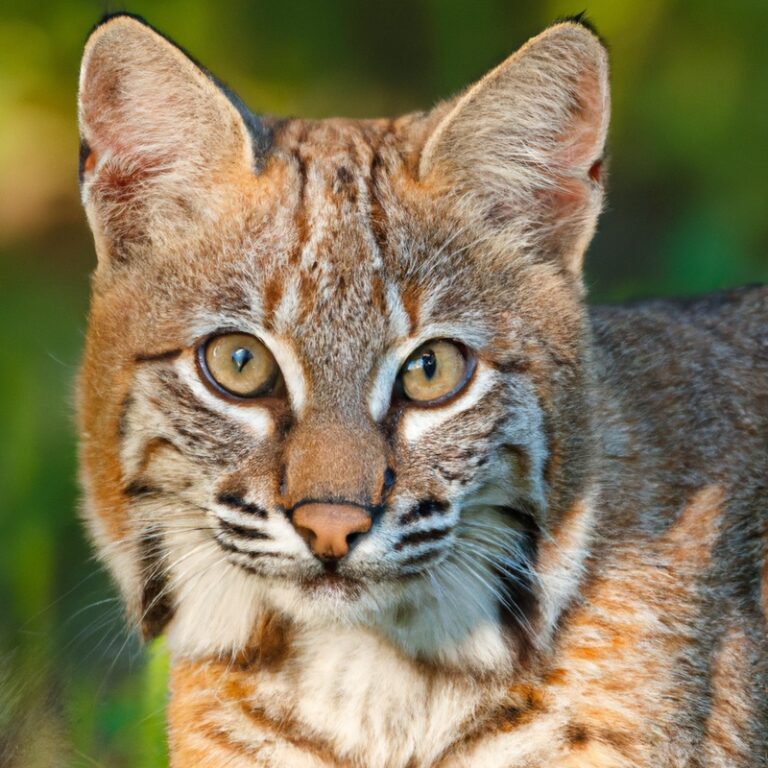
688	213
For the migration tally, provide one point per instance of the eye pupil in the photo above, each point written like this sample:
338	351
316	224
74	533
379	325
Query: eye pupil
429	364
239	364
241	357
435	371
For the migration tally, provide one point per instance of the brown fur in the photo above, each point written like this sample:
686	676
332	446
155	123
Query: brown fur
594	500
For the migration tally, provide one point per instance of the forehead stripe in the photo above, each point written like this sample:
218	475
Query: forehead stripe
376	212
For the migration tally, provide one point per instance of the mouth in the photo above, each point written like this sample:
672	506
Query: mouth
331	584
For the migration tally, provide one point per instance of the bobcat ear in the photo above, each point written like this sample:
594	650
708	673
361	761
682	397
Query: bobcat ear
523	147
159	139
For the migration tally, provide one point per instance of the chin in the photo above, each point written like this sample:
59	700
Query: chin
333	598
331	588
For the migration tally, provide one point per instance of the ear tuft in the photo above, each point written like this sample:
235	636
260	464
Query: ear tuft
582	20
523	147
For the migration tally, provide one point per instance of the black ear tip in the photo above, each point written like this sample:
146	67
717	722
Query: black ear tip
583	21
118	14
107	17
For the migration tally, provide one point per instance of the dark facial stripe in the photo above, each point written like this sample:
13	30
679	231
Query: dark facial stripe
122	421
414	560
230	547
240	530
156	604
452	477
419	537
254	556
344	184
204	433
513	366
186	397
139	488
154	357
521	604
424	508
234	500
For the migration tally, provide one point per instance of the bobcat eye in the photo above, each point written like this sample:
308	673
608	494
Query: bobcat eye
435	371
239	364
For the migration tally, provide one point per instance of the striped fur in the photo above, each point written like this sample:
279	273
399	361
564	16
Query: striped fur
566	565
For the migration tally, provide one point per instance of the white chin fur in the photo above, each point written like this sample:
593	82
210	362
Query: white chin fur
218	607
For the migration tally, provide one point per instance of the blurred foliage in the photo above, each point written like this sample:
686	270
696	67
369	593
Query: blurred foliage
687	213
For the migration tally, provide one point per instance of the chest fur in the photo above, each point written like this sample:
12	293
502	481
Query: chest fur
337	695
613	694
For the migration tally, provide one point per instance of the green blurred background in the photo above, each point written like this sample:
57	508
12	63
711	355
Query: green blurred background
687	213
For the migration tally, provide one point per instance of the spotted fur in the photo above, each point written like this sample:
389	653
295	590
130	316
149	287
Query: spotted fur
566	564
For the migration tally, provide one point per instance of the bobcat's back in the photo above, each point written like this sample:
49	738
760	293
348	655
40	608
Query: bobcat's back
686	384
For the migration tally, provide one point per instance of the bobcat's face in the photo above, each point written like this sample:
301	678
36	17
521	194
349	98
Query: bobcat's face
335	369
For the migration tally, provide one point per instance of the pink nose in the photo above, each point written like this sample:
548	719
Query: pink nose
327	527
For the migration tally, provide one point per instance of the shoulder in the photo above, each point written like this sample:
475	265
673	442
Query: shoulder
693	371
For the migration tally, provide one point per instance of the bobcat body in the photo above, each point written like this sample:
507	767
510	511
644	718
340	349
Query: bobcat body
559	561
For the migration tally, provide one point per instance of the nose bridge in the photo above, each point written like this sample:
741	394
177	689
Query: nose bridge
329	460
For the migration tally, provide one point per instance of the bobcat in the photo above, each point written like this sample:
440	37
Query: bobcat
352	440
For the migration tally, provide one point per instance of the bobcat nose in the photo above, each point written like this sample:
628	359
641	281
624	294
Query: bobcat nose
327	528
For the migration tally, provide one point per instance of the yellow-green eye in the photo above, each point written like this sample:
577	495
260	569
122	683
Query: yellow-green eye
435	371
240	365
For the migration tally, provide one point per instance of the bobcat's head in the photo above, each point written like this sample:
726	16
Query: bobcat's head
339	369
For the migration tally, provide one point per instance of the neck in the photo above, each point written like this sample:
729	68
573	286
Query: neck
339	693
377	694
